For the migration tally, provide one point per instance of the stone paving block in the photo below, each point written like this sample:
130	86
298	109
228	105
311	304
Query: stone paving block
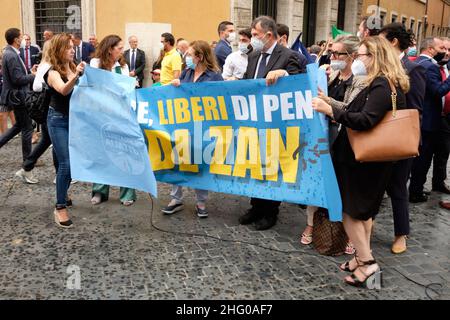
112	244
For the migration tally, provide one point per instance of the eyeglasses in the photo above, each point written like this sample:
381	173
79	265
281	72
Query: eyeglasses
362	54
337	54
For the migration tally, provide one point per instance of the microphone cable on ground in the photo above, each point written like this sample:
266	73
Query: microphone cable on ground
428	287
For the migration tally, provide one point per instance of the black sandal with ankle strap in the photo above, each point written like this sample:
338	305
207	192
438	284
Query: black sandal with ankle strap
372	281
347	265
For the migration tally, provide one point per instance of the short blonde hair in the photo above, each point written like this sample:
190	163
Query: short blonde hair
386	63
351	43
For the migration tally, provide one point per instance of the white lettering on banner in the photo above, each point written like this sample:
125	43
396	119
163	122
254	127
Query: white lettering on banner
286	106
142	112
271	104
240	107
303	105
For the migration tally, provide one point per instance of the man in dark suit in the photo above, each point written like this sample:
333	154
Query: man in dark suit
15	82
397	188
435	138
84	51
29	53
271	61
227	36
283	39
136	60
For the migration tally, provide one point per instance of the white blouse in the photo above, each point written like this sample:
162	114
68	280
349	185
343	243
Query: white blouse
95	63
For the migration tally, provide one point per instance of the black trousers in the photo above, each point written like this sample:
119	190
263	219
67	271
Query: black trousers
435	148
398	191
39	150
267	208
23	124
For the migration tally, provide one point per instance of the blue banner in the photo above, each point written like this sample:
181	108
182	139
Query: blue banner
244	138
106	144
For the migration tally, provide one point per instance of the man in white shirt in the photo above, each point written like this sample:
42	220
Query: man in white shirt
236	63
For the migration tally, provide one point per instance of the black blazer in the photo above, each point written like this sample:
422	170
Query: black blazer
418	80
34	51
15	76
140	62
281	59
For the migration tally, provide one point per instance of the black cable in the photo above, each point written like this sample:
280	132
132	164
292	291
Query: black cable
427	287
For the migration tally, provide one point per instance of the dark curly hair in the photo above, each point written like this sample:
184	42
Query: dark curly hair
398	31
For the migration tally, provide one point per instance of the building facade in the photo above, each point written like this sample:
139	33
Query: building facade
423	17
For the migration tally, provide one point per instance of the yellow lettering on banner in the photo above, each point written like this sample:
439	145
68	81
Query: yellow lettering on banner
224	138
182	114
248	147
210	106
277	154
223	108
160	159
183	148
170	111
162	116
196	110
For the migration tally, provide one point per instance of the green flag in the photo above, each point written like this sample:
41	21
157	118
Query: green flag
336	32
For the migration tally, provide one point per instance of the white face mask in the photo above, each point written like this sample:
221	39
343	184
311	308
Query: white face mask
243	47
161	46
231	37
358	68
338	65
257	44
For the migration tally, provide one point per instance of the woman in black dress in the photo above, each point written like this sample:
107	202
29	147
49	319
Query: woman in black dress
362	185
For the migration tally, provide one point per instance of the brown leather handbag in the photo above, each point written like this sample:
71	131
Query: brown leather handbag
329	238
395	138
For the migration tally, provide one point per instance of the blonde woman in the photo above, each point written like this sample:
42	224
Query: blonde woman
343	88
362	185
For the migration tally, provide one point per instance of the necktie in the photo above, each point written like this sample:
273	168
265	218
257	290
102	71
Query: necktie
446	109
78	57
133	62
262	66
27	58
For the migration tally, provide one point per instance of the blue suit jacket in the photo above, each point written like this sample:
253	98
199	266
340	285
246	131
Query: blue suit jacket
222	51
86	50
436	89
34	51
418	80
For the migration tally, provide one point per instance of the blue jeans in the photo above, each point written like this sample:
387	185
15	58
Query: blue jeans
58	129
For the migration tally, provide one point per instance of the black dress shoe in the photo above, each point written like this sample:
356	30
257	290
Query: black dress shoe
418	198
442	189
251	216
266	223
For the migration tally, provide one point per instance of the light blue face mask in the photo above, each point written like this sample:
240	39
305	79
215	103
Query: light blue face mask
412	52
190	63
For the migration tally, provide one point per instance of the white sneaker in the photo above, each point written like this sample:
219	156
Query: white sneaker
27	177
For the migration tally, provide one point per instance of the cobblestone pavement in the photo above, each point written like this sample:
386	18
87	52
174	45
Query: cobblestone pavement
120	256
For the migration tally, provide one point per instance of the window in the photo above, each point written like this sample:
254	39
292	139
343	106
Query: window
58	16
393	18
419	32
412	25
265	8
404	19
341	14
383	18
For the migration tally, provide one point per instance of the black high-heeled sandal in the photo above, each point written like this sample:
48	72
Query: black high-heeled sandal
347	265
372	281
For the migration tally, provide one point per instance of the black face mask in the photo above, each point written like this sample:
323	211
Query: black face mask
443	62
439	57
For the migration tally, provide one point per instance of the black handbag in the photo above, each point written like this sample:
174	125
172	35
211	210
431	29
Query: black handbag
15	98
37	104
